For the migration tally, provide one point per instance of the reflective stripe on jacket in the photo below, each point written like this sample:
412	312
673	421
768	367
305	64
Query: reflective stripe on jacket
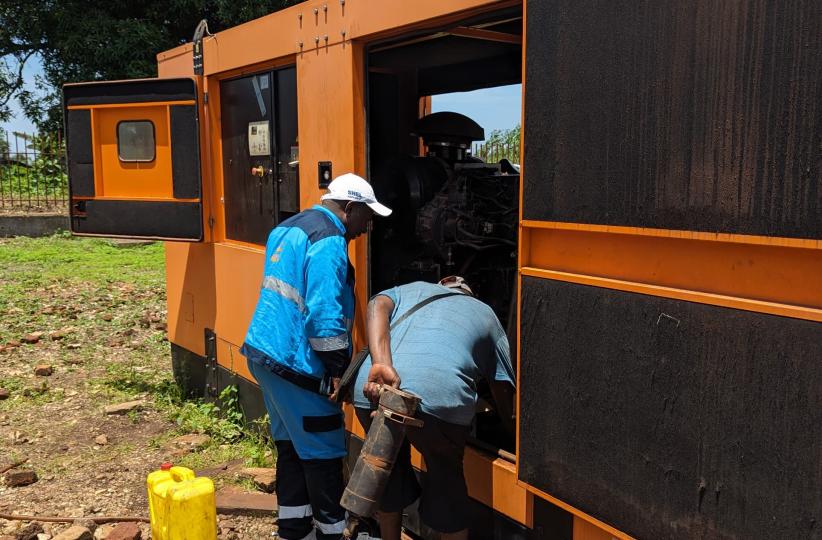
307	294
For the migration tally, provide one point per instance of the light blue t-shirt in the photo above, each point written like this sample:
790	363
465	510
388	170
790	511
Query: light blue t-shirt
442	350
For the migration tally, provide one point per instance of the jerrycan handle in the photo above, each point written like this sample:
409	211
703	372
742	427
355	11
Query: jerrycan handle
176	474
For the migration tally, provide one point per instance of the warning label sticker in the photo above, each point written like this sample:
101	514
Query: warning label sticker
258	139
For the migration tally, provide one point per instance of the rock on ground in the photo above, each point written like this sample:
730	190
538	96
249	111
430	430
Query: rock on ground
29	532
265	479
75	532
192	441
43	370
32	338
20	478
125	408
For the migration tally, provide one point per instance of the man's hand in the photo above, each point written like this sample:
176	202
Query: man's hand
379	375
335	385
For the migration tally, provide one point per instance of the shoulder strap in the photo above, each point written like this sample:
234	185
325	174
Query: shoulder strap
421	304
351	371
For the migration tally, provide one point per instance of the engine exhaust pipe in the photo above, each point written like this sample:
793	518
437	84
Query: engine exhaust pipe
379	453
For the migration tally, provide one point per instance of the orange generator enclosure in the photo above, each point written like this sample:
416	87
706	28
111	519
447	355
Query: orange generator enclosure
656	257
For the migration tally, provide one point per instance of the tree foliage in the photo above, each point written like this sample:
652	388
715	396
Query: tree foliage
505	137
86	40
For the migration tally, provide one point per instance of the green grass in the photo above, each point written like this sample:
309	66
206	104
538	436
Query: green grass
109	299
47	284
90	260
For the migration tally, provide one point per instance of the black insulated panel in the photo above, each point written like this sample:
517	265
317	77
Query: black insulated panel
670	419
185	152
79	153
144	219
135	91
700	115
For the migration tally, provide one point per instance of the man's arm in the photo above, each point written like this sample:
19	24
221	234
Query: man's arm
325	275
379	345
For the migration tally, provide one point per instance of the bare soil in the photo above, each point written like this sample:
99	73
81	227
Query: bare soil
106	344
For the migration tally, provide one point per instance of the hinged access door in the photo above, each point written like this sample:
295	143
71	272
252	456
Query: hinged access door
134	158
671	301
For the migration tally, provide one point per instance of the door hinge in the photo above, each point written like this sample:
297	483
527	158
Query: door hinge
205	98
211	222
211	379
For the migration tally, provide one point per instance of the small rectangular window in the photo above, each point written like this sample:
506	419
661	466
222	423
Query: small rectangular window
135	140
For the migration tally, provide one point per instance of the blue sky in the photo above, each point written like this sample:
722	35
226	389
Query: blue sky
492	108
34	67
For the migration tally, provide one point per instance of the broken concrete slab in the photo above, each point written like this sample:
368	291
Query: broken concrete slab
228	467
233	501
125	408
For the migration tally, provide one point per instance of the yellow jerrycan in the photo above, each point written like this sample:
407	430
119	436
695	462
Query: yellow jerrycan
181	506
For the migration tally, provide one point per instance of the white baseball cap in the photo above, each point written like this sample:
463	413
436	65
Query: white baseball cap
350	187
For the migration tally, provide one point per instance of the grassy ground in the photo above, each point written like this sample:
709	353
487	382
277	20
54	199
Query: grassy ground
95	310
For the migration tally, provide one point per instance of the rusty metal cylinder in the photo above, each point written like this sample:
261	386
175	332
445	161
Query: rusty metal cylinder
379	452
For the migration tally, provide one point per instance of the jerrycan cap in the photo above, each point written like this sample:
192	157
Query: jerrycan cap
166	466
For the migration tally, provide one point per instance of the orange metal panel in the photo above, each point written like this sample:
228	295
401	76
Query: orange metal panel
580	516
681	294
775	274
228	356
326	113
238	272
190	291
129	179
318	25
493	482
584	530
352	424
176	62
670	233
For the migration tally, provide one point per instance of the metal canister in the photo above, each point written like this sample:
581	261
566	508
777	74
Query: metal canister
379	453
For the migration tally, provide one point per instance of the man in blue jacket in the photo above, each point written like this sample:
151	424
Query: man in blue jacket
298	345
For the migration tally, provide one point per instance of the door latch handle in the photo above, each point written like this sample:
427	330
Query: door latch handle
258	171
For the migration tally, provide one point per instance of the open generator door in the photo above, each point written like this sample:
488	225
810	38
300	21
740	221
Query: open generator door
671	301
134	159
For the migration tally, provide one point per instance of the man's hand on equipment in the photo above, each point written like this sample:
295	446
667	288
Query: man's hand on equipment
379	375
335	385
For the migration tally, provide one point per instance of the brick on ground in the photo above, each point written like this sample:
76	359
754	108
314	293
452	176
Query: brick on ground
125	531
43	370
20	478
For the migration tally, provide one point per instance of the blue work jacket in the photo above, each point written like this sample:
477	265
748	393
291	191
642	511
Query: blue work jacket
306	300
